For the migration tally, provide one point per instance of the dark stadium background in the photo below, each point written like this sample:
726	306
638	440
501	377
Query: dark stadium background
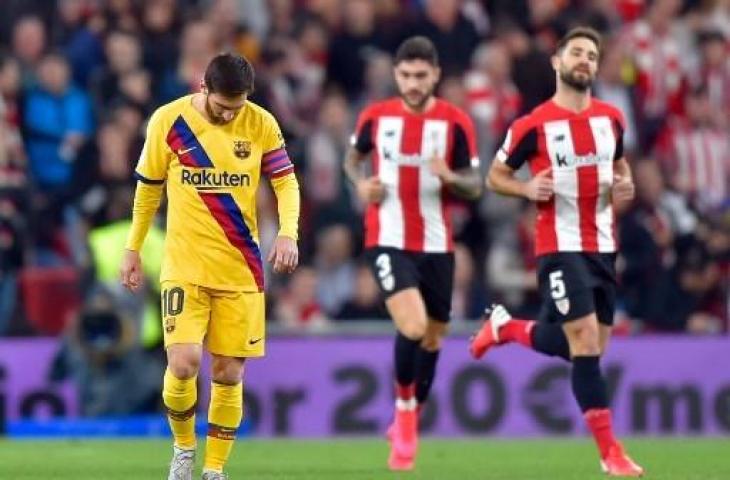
79	78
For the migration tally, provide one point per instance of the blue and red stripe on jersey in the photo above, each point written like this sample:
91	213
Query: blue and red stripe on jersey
222	206
186	146
226	212
276	163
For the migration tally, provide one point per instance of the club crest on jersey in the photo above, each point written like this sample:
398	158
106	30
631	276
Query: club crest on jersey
170	324
563	306
242	148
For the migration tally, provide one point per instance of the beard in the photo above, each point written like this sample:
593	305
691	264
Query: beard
214	119
570	78
420	102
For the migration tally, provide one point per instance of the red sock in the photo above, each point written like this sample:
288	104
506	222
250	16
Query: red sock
599	422
517	330
405	392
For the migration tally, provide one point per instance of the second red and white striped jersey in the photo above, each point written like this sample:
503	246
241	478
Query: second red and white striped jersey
414	214
580	149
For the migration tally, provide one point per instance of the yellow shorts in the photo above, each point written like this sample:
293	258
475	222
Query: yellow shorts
230	323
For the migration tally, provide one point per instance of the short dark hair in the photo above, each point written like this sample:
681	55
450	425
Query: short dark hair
417	48
230	75
580	32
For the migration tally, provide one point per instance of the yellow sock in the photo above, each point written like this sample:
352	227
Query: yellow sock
180	397
224	416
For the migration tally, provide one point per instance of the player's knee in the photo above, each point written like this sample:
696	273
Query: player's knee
227	371
584	338
413	330
184	369
432	340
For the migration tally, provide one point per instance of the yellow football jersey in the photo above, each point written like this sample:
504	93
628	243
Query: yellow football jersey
212	173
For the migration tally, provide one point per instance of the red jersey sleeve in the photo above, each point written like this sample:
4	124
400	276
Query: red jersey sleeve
464	152
520	143
362	139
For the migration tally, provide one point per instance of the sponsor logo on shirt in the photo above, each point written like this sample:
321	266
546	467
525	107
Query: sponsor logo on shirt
204	179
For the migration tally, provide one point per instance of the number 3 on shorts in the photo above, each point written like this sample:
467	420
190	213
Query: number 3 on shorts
557	285
385	272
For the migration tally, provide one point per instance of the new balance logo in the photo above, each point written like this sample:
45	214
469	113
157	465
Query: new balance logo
254	341
183	151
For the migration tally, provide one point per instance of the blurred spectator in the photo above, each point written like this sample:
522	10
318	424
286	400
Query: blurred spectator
297	308
57	121
649	232
659	78
10	91
365	303
79	38
113	375
493	100
512	267
714	71
532	71
467	299
120	15
324	185
379	82
610	86
11	259
160	37
695	153
197	48
104	165
335	267
29	45
350	48
454	36
124	56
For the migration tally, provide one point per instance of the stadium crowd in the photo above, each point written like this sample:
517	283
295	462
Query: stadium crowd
79	78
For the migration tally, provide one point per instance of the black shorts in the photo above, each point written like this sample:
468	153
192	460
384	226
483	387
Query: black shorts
575	284
431	273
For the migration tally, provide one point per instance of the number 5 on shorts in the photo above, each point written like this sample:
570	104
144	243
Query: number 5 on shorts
557	285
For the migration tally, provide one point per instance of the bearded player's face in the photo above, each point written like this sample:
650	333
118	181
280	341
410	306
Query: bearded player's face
222	109
577	63
416	80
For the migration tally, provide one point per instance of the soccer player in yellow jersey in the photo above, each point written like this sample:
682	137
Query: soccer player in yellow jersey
210	149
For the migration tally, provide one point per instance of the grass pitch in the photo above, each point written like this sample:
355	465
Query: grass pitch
488	458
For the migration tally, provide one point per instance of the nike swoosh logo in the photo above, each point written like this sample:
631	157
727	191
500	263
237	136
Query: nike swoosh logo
255	341
186	150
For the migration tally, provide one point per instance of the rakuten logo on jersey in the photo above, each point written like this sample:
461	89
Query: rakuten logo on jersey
569	161
204	179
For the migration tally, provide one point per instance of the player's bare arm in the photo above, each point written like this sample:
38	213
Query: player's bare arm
369	189
465	183
623	189
501	180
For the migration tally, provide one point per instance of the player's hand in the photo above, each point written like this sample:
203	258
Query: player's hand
284	255
130	272
623	189
437	165
540	187
370	190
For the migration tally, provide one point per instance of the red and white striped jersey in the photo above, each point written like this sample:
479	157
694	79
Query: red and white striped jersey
414	214
580	149
698	161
